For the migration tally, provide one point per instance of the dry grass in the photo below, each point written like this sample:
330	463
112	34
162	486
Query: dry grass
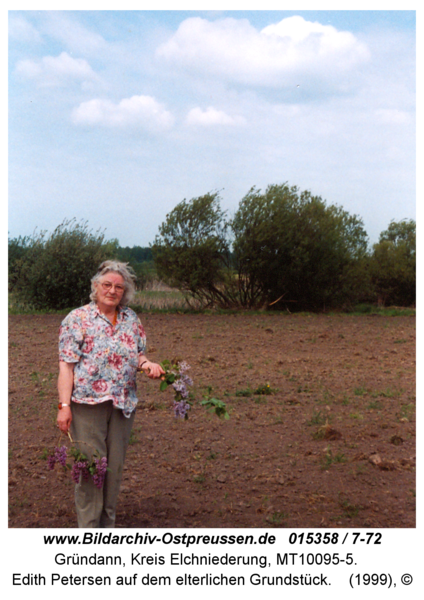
159	297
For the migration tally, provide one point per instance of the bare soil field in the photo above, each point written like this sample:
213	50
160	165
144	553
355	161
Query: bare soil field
333	445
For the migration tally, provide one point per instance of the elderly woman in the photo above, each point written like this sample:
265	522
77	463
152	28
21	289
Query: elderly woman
101	347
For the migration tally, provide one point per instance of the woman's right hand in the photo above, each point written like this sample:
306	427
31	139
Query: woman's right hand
152	370
64	418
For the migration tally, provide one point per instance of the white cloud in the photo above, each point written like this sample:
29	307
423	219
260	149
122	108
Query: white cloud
56	71
392	116
62	26
21	30
211	116
138	111
278	56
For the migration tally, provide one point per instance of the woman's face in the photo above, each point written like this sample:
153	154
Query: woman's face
109	289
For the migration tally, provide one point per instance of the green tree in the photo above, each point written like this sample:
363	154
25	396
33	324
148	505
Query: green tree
141	260
17	249
293	250
136	254
56	269
393	264
191	251
282	249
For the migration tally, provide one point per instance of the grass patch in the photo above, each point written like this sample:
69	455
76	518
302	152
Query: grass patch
359	391
376	405
326	432
390	311
303	389
133	437
407	411
388	393
277	519
246	393
212	456
199	478
260	400
349	510
174	301
318	419
328	459
262	390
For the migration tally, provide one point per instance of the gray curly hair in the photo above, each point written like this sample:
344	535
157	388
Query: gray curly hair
122	269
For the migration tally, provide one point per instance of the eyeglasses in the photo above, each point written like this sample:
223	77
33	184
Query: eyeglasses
107	286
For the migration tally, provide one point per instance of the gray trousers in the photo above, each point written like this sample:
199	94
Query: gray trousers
104	428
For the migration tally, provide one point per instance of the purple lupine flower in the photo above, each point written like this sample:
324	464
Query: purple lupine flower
181	408
180	388
186	379
100	473
80	469
84	470
183	367
75	473
60	455
51	461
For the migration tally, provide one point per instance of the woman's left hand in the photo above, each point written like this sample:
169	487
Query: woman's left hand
152	370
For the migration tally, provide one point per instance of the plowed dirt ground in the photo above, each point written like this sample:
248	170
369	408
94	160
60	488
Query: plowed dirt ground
333	445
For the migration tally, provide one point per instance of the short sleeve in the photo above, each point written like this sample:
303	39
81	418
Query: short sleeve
70	339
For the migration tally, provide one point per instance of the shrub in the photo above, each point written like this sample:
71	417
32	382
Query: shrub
17	249
283	249
293	250
191	251
55	270
393	264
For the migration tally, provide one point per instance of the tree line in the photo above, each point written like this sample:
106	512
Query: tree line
282	249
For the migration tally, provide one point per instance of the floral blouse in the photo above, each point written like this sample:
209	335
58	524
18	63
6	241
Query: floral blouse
105	356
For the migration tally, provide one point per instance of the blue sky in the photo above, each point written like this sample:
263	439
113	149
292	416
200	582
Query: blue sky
115	117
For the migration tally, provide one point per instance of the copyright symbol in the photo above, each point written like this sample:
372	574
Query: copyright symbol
406	579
